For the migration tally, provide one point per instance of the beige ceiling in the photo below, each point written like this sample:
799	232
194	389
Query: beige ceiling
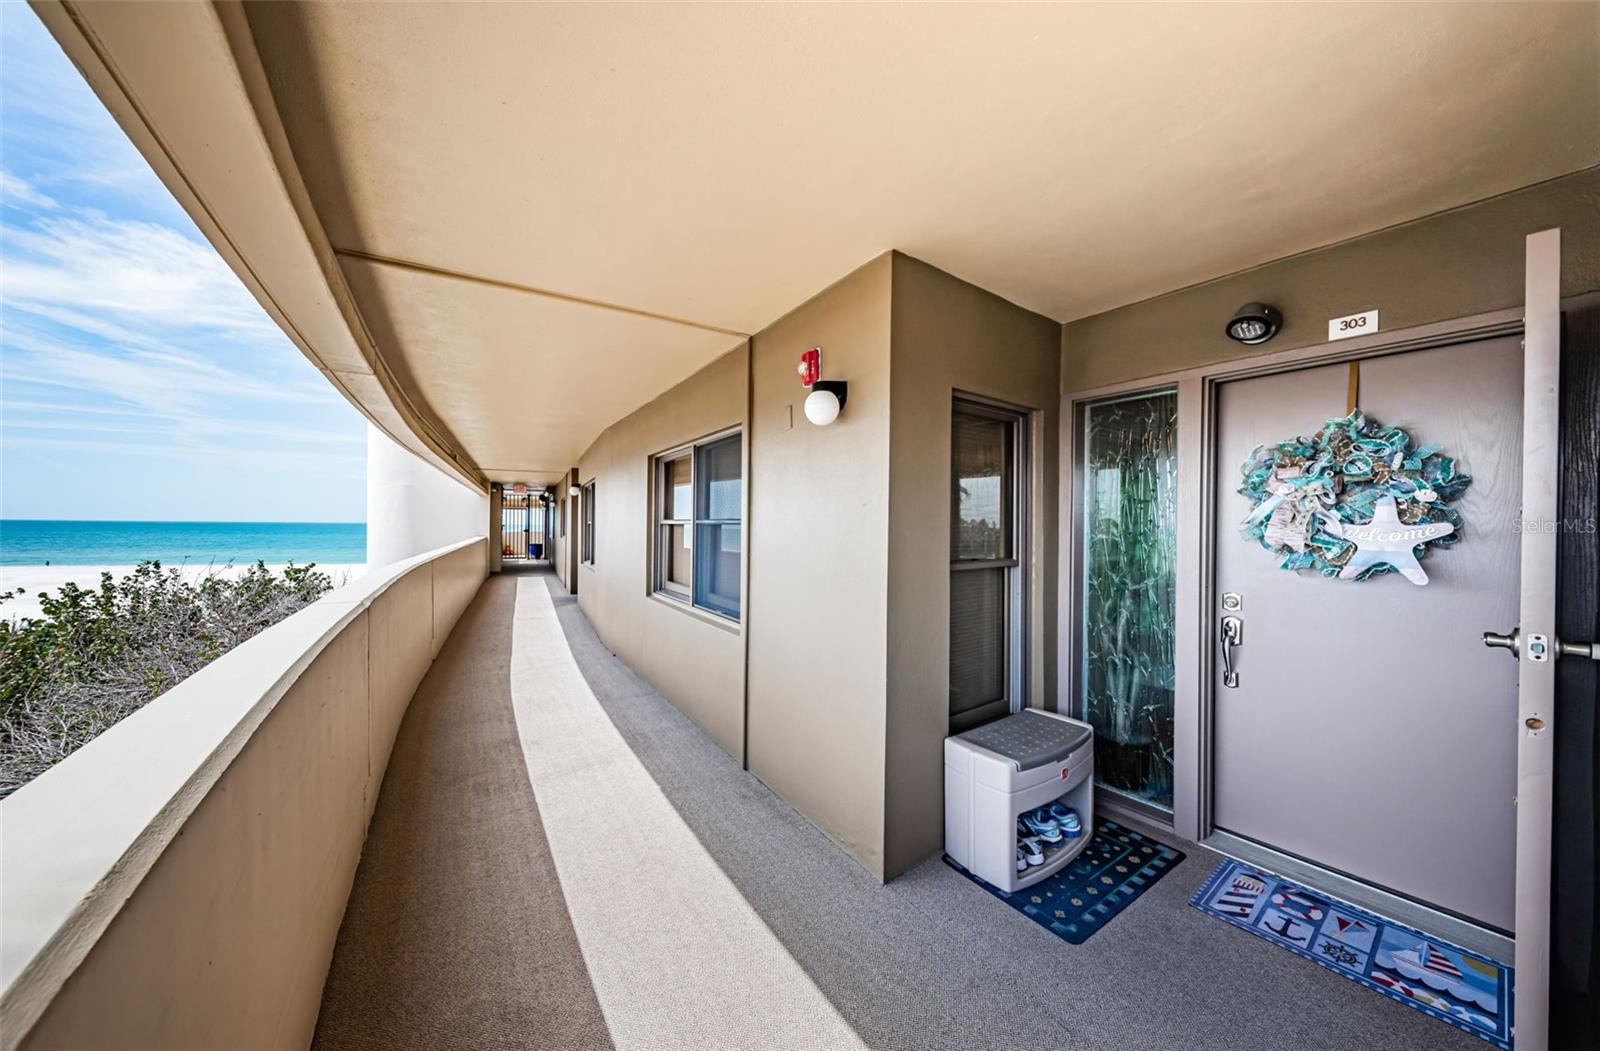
530	379
711	166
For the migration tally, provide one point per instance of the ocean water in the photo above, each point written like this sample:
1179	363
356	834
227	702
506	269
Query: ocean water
33	542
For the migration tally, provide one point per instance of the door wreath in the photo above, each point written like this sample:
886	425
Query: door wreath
1354	501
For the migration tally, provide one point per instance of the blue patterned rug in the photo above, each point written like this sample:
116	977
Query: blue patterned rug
1116	867
1460	988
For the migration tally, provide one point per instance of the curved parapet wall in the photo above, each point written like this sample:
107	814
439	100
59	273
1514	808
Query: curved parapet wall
412	506
180	880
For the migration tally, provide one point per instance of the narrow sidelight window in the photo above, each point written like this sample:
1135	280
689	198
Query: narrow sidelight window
588	524
986	581
1128	508
698	535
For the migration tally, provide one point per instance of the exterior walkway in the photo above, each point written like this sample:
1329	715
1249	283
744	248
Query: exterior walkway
560	859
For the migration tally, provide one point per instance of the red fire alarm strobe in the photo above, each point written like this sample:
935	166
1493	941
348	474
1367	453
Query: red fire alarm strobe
811	366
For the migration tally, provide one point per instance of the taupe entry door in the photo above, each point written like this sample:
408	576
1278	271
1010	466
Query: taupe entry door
1370	731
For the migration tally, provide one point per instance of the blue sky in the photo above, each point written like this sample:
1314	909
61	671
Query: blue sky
138	378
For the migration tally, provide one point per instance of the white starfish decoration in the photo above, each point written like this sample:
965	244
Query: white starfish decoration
1386	539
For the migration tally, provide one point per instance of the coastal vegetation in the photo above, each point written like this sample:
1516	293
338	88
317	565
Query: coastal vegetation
96	655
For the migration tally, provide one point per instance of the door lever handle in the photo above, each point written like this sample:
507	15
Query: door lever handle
1562	648
1513	641
1586	650
1232	635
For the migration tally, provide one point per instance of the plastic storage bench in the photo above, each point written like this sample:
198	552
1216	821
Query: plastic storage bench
1004	769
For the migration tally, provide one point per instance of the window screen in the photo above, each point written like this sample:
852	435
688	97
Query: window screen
981	453
983	563
977	639
588	523
675	526
719	489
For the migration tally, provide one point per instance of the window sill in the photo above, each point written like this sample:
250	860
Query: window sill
716	620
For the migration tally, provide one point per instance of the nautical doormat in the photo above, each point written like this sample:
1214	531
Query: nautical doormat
1116	867
1461	988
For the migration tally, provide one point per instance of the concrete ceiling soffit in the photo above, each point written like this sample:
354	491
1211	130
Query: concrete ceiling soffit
723	162
525	379
207	127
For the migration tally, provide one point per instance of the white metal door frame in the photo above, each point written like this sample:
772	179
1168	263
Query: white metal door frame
1536	678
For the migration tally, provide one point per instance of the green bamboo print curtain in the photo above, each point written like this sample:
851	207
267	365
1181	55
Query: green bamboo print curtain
1129	521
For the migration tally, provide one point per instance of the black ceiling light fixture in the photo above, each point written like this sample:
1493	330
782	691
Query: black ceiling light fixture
1254	323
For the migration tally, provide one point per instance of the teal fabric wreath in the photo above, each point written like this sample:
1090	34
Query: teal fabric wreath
1304	488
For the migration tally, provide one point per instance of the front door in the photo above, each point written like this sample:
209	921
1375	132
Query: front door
1369	731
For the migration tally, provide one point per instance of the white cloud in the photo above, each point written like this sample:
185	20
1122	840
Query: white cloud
129	351
17	193
135	271
168	382
50	114
338	464
136	312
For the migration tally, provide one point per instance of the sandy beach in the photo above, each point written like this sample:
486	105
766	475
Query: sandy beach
33	579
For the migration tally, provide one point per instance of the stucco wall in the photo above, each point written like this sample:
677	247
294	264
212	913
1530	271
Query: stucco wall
412	506
818	611
401	645
495	541
948	337
695	659
564	543
224	941
1465	261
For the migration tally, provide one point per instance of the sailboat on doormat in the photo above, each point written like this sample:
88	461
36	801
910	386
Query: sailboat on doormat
1460	988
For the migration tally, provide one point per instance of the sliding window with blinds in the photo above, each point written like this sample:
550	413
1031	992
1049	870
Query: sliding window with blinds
986	579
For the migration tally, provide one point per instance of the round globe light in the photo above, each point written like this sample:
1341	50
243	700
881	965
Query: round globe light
822	407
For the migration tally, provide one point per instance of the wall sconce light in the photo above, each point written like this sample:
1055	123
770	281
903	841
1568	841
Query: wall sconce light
573	490
827	397
1254	323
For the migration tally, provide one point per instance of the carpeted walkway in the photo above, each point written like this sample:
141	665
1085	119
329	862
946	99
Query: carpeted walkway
700	911
456	934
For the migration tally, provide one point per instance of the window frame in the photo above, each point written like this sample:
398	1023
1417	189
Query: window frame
586	555
1075	679
662	527
656	583
1017	567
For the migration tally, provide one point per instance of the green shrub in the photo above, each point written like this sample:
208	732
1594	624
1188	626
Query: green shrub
97	655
